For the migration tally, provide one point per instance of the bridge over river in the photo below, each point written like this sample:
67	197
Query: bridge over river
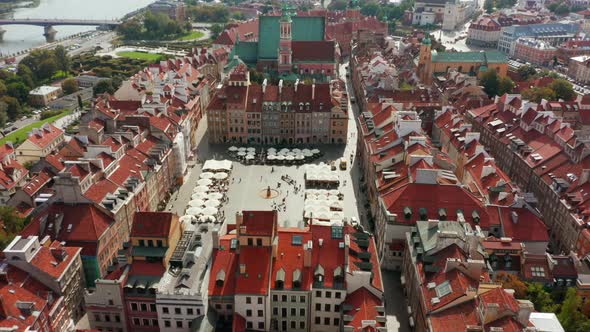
48	25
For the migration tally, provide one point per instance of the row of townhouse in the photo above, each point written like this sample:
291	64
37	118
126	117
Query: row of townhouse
243	112
319	278
544	156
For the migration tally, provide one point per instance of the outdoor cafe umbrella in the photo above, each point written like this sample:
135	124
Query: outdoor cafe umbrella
199	195
296	150
201	189
299	157
249	157
280	157
195	211
204	182
196	203
242	149
206	218
220	176
215	195
315	151
271	157
187	219
210	210
289	158
271	150
241	153
233	149
251	149
284	150
206	175
212	203
307	153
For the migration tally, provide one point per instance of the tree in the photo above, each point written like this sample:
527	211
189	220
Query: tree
488	5
338	5
69	86
18	90
11	221
216	30
2	89
13	107
526	71
370	9
538	93
562	9
104	86
47	68
570	315
563	89
506	85
541	299
490	82
62	58
26	75
511	281
80	103
3	115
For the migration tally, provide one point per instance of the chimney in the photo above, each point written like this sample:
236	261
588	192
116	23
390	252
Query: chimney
514	216
239	220
215	238
59	254
264	85
242	268
313	90
525	308
296	84
280	86
307	251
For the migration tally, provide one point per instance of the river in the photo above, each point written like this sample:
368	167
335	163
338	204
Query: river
20	37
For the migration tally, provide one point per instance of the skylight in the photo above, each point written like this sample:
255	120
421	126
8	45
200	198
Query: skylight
297	240
337	232
443	289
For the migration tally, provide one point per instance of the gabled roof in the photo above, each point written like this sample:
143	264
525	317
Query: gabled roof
259	223
152	224
44	136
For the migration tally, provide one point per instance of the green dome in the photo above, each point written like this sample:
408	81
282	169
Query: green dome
426	41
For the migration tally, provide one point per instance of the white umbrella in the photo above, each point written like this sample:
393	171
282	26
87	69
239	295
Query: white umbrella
299	157
201	189
315	151
204	182
210	210
213	203
199	195
285	150
296	150
334	192
251	149
249	157
206	175
289	158
220	176
207	218
215	196
242	149
336	205
271	157
280	157
187	219
337	215
233	148
241	153
195	211
307	153
196	203
271	150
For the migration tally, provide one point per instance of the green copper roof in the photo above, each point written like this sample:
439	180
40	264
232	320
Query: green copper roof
247	51
426	41
303	29
483	57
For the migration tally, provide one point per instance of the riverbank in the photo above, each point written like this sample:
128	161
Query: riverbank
7	8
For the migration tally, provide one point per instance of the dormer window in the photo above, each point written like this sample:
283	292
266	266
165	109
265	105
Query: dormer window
475	216
423	212
318	274
296	279
442	214
220	278
408	213
280	280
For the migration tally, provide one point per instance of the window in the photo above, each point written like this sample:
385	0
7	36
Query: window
228	307
249	313
318	293
336	308
261	325
538	271
146	322
328	294
107	318
133	306
302	312
159	243
97	318
167	323
259	300
260	313
302	299
259	242
284	312
179	324
117	318
302	325
150	243
141	243
293	312
249	325
326	321
284	325
250	242
275	297
336	321
155	322
144	307
337	295
136	322
293	324
284	298
153	307
111	302
318	306
248	300
317	320
293	298
189	311
177	311
327	307
275	311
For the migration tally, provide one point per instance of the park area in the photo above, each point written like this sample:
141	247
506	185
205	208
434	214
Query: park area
140	55
20	135
191	35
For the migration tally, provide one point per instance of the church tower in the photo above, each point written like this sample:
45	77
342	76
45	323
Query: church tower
285	50
425	62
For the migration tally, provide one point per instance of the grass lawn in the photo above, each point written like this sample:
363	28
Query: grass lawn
140	55
21	134
191	35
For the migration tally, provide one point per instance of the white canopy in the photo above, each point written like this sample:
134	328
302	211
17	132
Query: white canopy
296	150
217	165
206	175
251	149
206	218
199	195
233	148
196	203
187	219
289	158
280	157
201	189
242	149
210	210
271	157
215	195
315	151
271	150
241	153
220	176
204	182
195	211
212	203
249	157
299	157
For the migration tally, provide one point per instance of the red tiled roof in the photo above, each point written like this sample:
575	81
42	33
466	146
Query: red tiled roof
223	260
363	305
100	189
152	224
256	278
527	228
46	135
290	258
145	268
54	259
259	223
313	51
36	183
11	174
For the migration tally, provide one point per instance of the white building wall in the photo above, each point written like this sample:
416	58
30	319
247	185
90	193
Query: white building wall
325	308
179	311
257	302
